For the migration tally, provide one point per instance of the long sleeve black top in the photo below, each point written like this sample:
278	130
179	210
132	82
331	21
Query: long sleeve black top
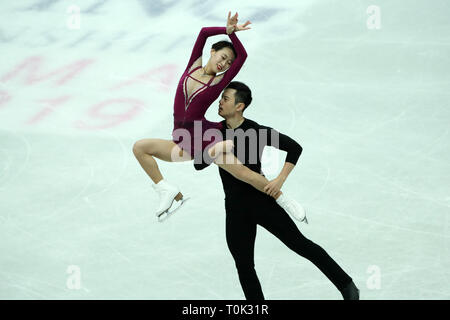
250	138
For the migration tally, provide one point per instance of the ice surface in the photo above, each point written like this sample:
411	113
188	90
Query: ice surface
369	106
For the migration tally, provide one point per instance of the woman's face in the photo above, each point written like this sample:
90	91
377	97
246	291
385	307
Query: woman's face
221	59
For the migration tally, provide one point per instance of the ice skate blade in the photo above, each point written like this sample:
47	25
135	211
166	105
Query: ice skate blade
167	214
160	214
305	220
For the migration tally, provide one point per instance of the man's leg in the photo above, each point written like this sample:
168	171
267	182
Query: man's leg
241	233
277	221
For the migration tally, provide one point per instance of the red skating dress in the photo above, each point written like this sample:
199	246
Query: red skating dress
188	109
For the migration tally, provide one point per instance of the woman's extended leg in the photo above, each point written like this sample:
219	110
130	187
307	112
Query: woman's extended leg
227	161
232	165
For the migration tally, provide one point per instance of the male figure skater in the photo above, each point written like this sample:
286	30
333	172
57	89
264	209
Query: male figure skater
247	207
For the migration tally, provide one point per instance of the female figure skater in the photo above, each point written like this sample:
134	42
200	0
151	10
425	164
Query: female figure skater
197	89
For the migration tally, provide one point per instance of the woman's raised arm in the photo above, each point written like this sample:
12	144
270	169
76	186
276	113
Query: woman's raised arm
205	32
232	28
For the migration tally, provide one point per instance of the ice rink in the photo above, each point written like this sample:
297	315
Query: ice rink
362	85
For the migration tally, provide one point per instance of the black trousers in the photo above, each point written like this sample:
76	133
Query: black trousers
242	217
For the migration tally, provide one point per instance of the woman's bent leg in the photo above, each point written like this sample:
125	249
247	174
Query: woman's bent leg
146	150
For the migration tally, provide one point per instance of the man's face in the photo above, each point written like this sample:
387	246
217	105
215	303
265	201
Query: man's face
227	107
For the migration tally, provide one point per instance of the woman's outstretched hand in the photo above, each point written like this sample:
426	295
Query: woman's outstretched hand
232	25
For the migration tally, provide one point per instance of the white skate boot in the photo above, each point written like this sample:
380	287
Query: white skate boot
292	207
167	194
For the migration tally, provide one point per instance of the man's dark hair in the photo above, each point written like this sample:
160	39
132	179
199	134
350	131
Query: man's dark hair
243	93
224	44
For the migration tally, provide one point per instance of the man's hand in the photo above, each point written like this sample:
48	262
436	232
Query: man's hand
274	186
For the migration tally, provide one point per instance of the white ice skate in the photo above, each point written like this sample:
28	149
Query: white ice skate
167	194
292	207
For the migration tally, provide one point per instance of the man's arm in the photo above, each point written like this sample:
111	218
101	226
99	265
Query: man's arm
293	149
